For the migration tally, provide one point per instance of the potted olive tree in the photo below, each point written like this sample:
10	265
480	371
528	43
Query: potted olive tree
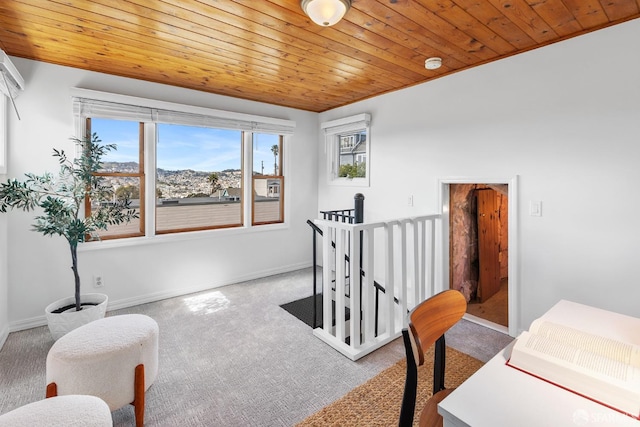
60	201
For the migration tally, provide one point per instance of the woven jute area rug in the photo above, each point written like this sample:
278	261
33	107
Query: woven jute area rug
377	402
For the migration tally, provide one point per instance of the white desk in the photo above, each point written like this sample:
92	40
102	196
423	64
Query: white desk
500	396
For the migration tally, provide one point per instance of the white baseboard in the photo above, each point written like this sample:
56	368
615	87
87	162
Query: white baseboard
32	322
4	333
486	323
38	321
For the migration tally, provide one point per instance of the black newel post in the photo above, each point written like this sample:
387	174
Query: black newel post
359	208
359	219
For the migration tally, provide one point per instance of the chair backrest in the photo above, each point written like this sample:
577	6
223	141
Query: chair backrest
428	322
430	319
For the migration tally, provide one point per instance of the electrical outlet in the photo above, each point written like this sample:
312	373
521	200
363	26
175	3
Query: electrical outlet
98	282
410	200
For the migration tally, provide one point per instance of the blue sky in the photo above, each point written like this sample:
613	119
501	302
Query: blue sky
186	147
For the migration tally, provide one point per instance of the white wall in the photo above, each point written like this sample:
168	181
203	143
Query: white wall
39	267
564	118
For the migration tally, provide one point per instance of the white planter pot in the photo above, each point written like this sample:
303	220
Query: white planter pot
61	323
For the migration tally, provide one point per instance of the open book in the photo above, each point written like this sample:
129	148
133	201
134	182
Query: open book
589	351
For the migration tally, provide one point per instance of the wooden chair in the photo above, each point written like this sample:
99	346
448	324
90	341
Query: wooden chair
428	322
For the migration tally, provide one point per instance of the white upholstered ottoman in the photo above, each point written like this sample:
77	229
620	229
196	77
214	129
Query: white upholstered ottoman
61	411
115	359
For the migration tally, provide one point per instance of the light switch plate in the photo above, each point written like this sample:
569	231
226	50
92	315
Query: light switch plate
535	208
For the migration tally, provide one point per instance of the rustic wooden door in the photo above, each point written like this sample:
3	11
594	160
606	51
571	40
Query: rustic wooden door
488	244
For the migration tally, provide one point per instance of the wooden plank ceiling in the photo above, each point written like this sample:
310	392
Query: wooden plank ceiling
270	51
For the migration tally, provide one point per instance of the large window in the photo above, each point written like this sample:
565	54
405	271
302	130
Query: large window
188	169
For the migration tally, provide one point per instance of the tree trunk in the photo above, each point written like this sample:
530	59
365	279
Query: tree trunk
74	267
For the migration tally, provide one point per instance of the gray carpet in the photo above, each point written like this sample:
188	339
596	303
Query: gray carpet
232	357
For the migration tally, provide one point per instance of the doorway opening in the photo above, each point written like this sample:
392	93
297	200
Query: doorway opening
478	236
479	217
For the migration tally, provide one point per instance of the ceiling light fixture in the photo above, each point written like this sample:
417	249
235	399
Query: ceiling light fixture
433	63
325	12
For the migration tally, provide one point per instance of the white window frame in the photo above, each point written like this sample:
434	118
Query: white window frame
332	129
3	134
90	103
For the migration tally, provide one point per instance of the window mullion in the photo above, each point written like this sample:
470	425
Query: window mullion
150	178
247	178
4	136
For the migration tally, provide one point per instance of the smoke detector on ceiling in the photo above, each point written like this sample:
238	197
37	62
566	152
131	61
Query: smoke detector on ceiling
432	63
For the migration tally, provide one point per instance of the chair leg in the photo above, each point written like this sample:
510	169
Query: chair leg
410	386
438	365
138	395
52	390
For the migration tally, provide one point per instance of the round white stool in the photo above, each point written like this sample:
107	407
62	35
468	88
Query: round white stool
115	359
61	411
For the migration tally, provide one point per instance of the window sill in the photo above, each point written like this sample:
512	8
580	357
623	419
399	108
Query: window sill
350	182
177	237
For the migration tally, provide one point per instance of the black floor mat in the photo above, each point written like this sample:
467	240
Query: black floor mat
303	310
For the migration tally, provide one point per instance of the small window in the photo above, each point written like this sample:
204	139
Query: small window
348	150
352	154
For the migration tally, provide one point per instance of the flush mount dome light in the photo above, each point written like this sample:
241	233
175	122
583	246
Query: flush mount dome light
325	12
433	63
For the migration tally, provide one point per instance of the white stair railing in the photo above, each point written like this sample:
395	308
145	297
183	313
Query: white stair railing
402	256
